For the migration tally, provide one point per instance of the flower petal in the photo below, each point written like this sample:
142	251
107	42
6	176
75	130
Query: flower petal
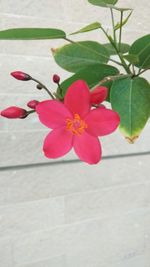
88	148
77	98
98	95
102	121
57	143
52	113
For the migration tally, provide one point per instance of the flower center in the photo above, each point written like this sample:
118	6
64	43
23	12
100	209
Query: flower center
76	125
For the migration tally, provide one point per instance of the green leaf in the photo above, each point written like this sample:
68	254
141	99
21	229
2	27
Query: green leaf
133	59
119	25
32	34
141	48
76	56
91	74
103	3
90	27
123	49
131	99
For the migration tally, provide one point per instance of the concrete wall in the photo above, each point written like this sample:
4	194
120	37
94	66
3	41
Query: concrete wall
67	214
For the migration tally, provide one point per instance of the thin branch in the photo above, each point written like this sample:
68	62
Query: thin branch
69	40
133	69
113	78
124	65
30	111
113	24
43	86
120	33
142	71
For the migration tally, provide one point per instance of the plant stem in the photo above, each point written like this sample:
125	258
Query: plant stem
133	70
115	77
69	40
27	113
120	33
44	87
142	71
30	111
124	65
113	25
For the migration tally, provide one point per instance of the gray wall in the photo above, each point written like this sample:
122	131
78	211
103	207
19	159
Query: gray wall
70	214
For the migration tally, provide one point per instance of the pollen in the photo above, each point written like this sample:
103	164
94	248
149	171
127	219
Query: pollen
76	125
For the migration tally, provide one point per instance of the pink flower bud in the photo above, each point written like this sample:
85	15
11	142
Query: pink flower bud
19	75
56	78
98	95
32	104
13	112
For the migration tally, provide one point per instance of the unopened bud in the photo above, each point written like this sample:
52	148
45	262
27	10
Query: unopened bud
56	78
32	104
98	95
19	75
14	113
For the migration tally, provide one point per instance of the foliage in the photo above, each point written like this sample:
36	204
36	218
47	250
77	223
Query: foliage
129	94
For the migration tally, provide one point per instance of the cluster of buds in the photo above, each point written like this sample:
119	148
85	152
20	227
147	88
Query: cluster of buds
97	96
14	112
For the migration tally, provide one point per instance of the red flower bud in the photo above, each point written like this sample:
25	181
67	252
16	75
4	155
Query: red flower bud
98	95
32	104
19	75
56	78
14	112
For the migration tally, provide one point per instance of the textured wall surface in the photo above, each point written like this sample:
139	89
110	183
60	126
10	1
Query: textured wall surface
67	214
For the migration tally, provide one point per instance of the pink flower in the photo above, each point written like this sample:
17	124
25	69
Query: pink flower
75	125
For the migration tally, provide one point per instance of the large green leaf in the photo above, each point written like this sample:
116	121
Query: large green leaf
76	56
90	27
103	3
32	34
141	48
91	74
131	99
124	48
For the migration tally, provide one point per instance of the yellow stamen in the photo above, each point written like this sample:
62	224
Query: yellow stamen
76	125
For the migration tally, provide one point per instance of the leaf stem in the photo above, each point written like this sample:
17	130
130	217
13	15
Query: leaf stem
69	40
133	70
120	32
30	112
115	77
124	65
43	86
113	25
142	71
